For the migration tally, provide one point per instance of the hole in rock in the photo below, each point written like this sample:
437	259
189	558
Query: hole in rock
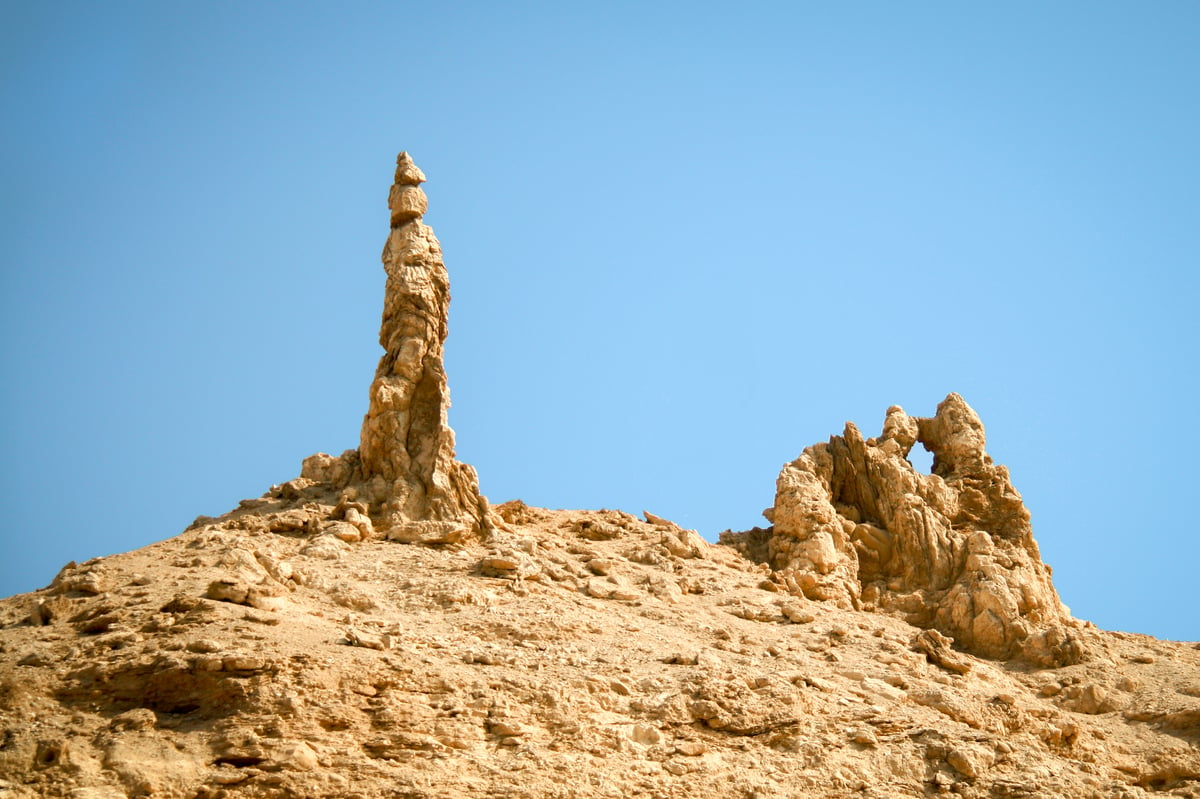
47	754
921	458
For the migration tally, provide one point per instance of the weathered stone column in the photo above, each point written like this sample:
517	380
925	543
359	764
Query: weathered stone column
417	490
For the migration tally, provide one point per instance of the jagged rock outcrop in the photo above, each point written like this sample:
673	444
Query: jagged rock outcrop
404	471
854	523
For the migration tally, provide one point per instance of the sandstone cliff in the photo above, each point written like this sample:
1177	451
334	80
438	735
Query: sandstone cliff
373	630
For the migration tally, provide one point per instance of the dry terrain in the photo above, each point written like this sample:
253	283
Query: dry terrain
376	629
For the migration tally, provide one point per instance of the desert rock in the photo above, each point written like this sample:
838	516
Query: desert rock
403	481
857	525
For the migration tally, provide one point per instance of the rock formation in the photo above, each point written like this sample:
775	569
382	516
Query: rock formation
282	650
249	658
404	469
854	523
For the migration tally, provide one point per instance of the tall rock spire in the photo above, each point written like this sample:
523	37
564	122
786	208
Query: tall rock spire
418	491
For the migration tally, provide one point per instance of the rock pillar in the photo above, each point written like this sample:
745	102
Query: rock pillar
418	491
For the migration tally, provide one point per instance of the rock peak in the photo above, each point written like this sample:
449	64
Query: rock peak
404	473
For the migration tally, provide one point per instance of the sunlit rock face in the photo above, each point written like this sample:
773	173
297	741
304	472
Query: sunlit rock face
407	446
404	476
857	525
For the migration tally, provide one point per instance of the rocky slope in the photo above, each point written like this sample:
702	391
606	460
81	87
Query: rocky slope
374	628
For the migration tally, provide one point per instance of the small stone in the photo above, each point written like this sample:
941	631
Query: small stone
141	718
600	589
203	646
646	735
378	642
506	729
625	593
325	547
343	531
600	566
298	755
967	762
243	663
796	613
864	737
659	521
361	521
1088	698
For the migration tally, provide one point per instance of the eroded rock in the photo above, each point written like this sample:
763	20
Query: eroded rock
403	481
857	525
407	446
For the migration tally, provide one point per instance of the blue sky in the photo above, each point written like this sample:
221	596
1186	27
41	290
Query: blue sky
685	241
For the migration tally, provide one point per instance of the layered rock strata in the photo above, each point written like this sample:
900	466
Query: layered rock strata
856	524
405	471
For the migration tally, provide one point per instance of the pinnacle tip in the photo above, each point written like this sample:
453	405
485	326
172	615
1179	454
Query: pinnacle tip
408	173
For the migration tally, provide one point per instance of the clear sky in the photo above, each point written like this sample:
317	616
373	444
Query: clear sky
686	240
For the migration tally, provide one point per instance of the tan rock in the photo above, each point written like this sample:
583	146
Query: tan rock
407	447
298	755
855	523
937	648
263	597
970	761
